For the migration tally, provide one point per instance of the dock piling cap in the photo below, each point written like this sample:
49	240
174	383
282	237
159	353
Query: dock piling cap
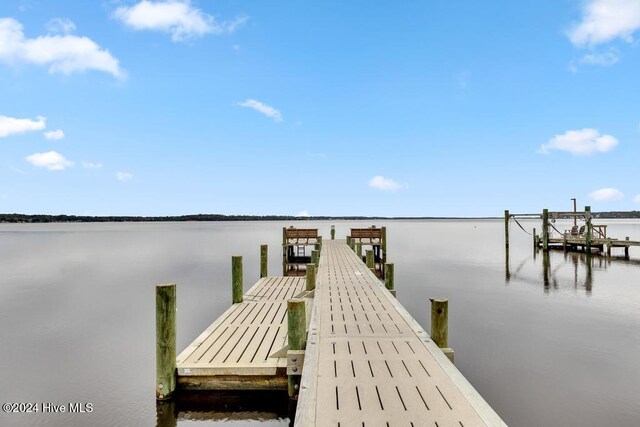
438	299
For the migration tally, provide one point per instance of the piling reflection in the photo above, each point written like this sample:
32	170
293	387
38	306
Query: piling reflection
554	275
225	406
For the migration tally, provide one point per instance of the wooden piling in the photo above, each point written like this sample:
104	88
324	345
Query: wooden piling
333	232
236	279
359	250
264	257
440	325
588	233
545	229
370	259
383	242
352	244
297	337
285	249
626	249
311	277
388	278
506	229
609	248
535	239
165	341
315	257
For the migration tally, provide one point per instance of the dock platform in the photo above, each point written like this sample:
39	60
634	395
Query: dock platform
234	352
369	363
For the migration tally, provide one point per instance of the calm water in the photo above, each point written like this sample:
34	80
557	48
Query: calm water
77	316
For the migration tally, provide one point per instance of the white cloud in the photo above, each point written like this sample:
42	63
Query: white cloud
177	17
637	198
50	160
91	165
303	213
12	126
381	183
605	59
124	176
262	108
60	26
64	54
605	20
54	134
580	142
606	194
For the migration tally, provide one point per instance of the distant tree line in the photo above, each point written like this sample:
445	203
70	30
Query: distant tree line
22	218
618	214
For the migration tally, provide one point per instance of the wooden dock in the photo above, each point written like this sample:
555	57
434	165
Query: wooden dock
234	352
367	362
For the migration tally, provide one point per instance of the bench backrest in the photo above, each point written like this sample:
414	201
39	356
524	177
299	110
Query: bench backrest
366	233
301	233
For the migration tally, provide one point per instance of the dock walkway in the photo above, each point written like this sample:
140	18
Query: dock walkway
369	363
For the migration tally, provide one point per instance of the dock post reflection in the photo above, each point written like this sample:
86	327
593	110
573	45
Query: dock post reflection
166	414
588	282
507	274
545	270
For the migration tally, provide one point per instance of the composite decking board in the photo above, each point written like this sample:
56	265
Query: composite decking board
240	341
368	363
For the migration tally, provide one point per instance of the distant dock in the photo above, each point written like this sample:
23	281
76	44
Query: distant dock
332	334
587	237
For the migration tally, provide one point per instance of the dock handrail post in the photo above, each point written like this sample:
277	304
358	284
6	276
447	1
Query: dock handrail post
236	279
545	229
587	237
297	337
333	232
165	341
311	277
506	229
388	278
264	257
440	325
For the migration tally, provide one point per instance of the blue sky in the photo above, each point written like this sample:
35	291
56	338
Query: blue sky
325	108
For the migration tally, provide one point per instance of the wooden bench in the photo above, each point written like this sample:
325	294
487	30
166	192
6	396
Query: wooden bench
298	234
366	233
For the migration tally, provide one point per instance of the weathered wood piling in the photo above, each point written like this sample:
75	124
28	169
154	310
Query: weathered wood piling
236	279
264	260
297	341
440	325
165	341
389	279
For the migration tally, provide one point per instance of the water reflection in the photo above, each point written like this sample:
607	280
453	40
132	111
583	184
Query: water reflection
261	406
554	275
